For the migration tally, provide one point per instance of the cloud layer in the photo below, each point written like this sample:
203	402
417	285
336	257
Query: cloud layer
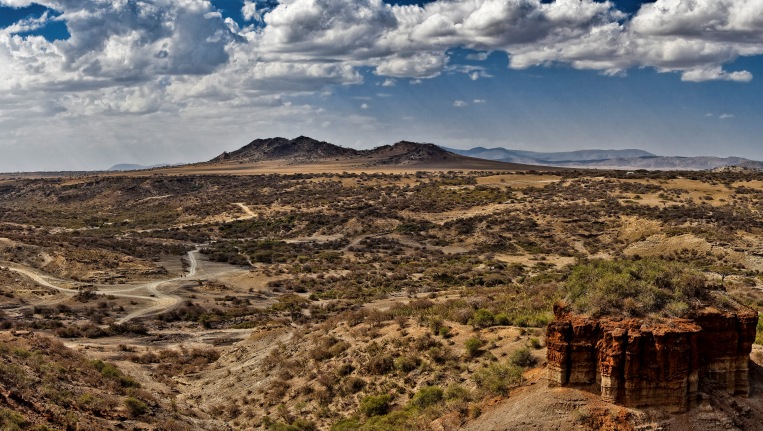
135	57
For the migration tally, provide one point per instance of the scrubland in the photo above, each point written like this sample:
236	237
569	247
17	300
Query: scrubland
339	301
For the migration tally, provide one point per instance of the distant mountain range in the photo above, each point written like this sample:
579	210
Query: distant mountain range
133	167
608	159
539	158
306	151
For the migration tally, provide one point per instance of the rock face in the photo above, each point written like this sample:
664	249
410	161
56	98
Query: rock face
637	363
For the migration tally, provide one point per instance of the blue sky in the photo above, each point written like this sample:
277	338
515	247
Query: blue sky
86	85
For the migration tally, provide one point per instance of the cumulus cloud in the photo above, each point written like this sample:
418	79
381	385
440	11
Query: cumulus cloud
133	57
304	45
715	73
417	65
139	40
250	12
460	104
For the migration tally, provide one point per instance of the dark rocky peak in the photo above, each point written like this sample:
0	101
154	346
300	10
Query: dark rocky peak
300	149
406	152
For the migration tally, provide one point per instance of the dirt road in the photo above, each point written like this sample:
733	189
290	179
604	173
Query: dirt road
159	299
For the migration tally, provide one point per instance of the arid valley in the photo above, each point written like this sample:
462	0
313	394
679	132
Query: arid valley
407	288
381	215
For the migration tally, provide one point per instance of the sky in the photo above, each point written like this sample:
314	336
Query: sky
86	84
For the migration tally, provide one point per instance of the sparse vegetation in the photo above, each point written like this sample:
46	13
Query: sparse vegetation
345	301
635	287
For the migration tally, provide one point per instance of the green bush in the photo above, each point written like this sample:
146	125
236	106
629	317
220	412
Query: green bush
498	378
347	424
282	426
400	420
375	405
535	343
473	346
482	318
407	363
11	420
455	391
135	406
110	371
522	358
502	319
427	396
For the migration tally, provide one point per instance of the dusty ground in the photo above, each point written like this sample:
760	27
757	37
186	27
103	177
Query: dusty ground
334	271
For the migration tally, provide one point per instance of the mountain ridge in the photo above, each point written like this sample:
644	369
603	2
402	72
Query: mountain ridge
609	159
504	154
305	150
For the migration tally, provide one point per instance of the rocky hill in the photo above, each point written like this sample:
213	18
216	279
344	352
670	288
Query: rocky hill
301	149
406	152
304	150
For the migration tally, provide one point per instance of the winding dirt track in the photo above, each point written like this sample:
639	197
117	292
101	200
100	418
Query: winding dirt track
163	301
247	210
160	301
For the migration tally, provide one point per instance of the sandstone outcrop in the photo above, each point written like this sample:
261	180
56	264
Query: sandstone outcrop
643	363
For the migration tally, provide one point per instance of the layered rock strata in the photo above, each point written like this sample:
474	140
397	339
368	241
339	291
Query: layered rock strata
638	363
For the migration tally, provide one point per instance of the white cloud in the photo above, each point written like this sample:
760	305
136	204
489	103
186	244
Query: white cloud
478	56
364	106
725	116
417	65
126	41
474	72
460	104
389	83
715	74
250	12
172	57
478	101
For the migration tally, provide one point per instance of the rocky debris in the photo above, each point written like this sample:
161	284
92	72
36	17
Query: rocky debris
640	363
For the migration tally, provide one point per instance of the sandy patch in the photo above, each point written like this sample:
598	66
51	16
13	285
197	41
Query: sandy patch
518	180
634	229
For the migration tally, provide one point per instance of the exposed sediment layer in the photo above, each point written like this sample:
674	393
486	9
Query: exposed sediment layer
638	363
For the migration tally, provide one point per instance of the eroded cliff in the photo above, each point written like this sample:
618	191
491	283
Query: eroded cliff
648	363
